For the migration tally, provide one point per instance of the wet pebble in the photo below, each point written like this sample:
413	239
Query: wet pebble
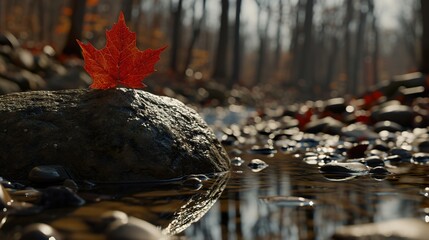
379	170
235	152
59	196
48	174
38	231
327	125
400	114
387	126
341	149
324	158
404	154
335	105
423	146
263	150
135	229
112	218
277	136
8	39
306	143
374	161
394	159
288	146
265	131
23	58
381	146
358	131
257	165
420	158
229	139
237	161
336	157
375	152
70	183
353	168
313	160
288	122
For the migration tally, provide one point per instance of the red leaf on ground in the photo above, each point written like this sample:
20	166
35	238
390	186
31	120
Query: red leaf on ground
120	62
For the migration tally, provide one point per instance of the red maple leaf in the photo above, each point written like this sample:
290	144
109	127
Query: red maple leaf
120	62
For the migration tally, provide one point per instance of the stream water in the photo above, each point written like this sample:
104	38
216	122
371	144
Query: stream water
291	199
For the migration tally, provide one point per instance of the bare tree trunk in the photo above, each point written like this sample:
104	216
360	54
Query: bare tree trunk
358	53
409	37
332	58
71	46
195	35
50	31
261	58
176	36
236	64
305	72
263	41
321	49
277	53
156	23
375	53
221	52
424	65
127	8
347	46
41	6
138	22
295	45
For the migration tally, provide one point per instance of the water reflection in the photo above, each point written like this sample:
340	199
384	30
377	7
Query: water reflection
170	206
196	206
275	202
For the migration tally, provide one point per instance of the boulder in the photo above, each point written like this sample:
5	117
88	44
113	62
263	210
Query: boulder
115	135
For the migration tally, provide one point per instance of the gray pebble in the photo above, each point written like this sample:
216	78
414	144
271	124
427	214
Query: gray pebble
353	168
257	165
39	231
135	229
48	174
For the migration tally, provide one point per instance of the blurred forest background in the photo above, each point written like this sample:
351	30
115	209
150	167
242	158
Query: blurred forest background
305	48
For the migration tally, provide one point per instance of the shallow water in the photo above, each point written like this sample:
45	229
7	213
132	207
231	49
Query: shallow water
255	205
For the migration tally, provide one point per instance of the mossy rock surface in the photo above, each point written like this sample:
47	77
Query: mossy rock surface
115	135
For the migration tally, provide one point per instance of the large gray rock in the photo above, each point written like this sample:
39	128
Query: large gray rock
115	135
